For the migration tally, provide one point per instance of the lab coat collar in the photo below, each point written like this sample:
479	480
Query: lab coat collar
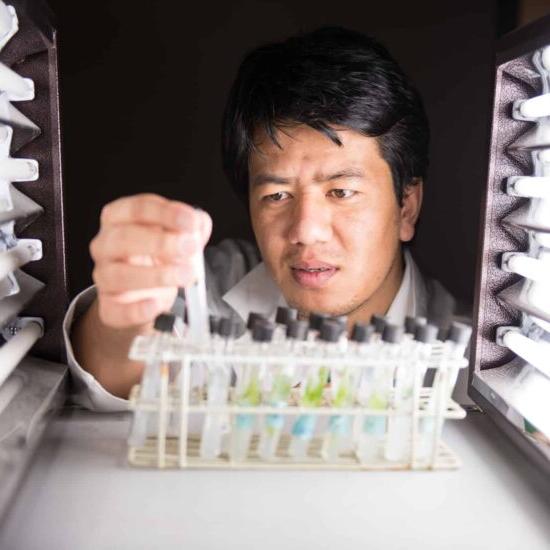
257	291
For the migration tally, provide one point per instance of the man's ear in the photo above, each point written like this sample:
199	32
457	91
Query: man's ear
410	208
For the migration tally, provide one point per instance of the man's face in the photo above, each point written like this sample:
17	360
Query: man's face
327	220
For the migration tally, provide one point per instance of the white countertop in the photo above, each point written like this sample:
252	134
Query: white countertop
80	495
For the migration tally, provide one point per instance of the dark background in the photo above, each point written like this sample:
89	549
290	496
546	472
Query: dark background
143	86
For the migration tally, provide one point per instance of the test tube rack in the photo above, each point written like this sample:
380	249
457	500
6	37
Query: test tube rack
179	407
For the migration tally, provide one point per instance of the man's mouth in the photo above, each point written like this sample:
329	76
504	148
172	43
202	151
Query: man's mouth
312	274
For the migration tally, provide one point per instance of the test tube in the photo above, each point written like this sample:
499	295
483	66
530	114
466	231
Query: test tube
248	392
455	348
453	351
317	377
197	305
150	381
427	337
409	373
373	429
219	376
343	383
279	392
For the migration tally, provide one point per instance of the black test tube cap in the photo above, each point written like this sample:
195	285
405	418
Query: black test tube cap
427	334
214	323
285	314
342	319
412	322
379	322
330	331
252	318
316	320
165	322
297	330
460	333
393	334
262	331
226	327
362	332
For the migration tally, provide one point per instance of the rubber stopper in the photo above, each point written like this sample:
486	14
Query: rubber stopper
297	330
427	334
460	333
285	314
165	322
393	334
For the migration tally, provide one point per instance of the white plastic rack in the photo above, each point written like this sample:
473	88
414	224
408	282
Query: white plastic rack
172	406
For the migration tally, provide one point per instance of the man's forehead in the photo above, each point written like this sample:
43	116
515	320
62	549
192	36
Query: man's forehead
304	145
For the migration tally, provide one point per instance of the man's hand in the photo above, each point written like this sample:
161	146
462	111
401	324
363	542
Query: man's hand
143	252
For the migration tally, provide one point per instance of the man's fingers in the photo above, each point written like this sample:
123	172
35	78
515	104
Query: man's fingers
118	315
205	226
115	277
117	242
151	209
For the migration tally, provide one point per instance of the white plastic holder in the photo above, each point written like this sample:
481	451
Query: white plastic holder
175	444
25	251
9	23
20	335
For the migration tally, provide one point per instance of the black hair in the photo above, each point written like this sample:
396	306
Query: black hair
325	78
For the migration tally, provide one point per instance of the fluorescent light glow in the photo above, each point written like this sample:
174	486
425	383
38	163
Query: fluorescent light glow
16	87
545	58
529	186
26	250
8	23
545	325
526	266
535	107
537	294
535	353
15	349
18	169
542	239
529	396
6	203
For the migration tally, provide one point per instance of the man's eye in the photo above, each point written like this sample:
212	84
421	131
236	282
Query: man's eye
276	197
342	193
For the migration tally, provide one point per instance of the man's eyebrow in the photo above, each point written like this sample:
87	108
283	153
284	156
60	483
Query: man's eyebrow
346	173
261	179
340	174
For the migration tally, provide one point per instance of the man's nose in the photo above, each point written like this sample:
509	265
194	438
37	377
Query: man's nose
311	221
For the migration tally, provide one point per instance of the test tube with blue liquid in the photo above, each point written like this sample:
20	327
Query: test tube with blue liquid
343	383
312	396
377	395
279	392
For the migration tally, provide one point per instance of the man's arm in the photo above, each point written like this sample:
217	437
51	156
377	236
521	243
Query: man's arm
143	252
103	352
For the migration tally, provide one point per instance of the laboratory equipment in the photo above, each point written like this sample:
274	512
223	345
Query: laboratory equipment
510	377
341	386
33	289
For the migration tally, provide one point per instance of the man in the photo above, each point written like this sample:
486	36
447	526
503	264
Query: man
327	140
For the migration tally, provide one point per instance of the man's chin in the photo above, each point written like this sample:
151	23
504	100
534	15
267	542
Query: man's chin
318	302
